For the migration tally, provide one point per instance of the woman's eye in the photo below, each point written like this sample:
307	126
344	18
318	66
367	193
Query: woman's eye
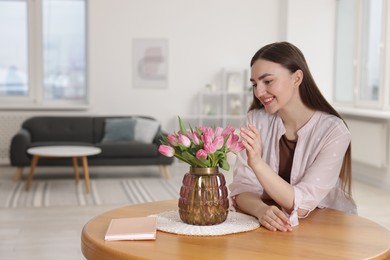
254	85
267	82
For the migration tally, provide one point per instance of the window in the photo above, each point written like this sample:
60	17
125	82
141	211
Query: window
360	46
43	61
13	51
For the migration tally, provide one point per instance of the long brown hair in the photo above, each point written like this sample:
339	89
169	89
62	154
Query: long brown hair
290	57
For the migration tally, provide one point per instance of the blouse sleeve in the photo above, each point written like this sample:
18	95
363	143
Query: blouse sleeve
322	175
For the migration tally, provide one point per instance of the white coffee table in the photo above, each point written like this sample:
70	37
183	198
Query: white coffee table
74	152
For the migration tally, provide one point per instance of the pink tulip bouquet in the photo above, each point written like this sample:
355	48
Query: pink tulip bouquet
202	147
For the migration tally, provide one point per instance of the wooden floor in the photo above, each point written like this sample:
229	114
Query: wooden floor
54	233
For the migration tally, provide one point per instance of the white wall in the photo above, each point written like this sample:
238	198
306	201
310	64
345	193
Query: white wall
311	26
203	36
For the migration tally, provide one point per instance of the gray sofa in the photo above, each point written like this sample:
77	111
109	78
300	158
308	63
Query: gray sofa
98	131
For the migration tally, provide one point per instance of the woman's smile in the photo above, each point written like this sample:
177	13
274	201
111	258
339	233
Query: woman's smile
267	101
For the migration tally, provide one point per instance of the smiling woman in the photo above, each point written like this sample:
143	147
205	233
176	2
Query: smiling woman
297	147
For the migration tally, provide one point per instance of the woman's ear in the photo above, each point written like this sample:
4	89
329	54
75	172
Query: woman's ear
297	77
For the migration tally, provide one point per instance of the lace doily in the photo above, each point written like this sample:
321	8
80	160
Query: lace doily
169	221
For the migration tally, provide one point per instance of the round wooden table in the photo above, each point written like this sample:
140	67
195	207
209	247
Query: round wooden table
324	234
65	151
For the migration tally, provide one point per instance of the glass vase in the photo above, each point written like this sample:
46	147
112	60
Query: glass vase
203	197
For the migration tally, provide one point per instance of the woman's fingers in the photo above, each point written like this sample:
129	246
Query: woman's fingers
245	135
275	225
254	129
252	142
249	136
274	219
280	214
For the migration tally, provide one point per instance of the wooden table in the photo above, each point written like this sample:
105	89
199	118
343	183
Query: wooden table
325	234
68	151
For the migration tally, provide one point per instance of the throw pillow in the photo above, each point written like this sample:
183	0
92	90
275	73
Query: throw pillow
119	129
145	130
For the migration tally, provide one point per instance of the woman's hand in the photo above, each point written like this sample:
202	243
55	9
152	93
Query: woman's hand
252	142
268	214
272	218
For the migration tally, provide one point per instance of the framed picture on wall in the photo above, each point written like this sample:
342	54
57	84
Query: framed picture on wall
150	63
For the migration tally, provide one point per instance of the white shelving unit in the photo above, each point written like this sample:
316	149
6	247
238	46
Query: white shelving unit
224	107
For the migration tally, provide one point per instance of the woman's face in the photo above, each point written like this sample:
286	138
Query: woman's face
274	85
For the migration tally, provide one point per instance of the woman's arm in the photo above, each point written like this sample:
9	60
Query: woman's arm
277	188
270	216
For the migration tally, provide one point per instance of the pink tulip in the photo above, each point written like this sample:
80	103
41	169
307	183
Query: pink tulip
235	138
218	142
166	150
218	131
172	138
201	128
207	138
232	139
210	148
209	131
233	143
229	141
201	154
236	147
228	131
202	142
184	140
194	137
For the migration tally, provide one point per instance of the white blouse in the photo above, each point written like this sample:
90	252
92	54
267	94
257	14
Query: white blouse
318	158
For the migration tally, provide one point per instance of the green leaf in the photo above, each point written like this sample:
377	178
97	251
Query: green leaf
192	130
183	129
180	156
195	161
224	165
164	140
188	155
182	147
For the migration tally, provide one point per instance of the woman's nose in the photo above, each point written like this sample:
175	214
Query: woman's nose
260	90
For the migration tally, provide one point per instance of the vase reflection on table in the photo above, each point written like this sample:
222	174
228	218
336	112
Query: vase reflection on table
203	195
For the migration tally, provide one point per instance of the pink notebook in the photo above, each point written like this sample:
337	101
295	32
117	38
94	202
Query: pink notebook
140	228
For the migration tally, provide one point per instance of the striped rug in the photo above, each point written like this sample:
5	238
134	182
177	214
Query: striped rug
65	192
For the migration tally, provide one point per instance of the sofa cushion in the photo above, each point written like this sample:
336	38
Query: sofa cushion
99	125
127	149
118	129
145	130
